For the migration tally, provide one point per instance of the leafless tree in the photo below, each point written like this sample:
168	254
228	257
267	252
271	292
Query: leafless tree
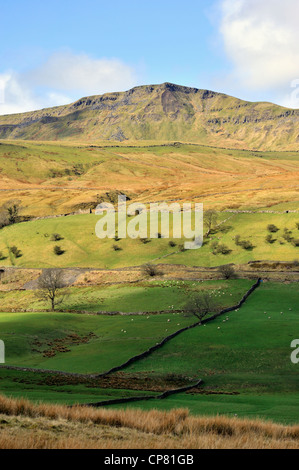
201	305
151	270
210	219
227	271
51	287
11	209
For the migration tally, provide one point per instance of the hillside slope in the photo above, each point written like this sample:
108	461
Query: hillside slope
165	113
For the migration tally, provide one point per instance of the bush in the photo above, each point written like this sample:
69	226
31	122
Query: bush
227	271
145	240
58	250
223	249
287	235
219	248
214	245
272	228
246	244
237	239
172	243
2	255
269	239
296	242
297	225
56	237
15	251
117	248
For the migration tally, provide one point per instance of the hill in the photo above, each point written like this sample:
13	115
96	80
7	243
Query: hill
56	178
165	113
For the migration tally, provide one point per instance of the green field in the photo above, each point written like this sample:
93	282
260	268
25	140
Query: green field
145	296
82	248
118	337
244	361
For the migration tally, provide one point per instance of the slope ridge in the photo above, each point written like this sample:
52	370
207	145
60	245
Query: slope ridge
165	112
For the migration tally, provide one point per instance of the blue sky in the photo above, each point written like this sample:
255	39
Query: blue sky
55	52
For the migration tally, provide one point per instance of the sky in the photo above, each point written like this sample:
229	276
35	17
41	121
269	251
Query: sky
55	52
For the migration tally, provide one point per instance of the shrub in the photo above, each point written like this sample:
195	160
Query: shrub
58	250
223	249
15	251
56	237
297	225
237	239
172	243
269	238
2	255
295	242
145	240
246	244
272	228
287	235
182	248
219	248
116	248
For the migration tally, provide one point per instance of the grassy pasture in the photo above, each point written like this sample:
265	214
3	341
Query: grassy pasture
250	351
147	296
82	248
245	364
117	337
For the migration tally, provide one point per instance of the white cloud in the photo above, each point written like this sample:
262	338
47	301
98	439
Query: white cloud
14	97
261	37
63	78
67	71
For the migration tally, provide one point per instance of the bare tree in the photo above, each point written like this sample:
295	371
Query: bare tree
151	270
12	209
210	219
51	287
227	271
201	305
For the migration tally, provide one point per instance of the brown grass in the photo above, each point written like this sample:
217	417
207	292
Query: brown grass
26	425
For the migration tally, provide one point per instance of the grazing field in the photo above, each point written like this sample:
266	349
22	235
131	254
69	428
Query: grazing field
247	349
81	247
244	360
145	296
30	336
116	338
243	357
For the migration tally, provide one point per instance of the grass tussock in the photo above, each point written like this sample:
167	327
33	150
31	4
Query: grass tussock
27	425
